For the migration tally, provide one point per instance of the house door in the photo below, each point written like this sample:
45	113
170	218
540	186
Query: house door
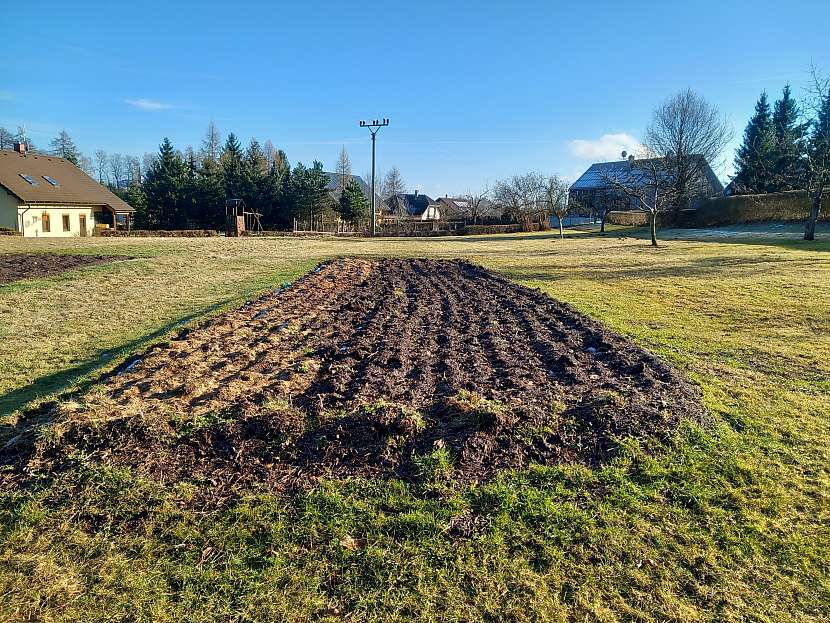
82	222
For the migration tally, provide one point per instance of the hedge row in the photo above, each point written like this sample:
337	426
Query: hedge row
157	233
511	228
793	205
635	218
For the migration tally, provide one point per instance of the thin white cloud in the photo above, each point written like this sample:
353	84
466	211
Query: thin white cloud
146	104
606	147
6	96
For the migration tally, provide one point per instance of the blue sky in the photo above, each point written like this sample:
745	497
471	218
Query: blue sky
475	91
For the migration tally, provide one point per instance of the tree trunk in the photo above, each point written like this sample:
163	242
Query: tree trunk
810	229
653	223
602	222
561	232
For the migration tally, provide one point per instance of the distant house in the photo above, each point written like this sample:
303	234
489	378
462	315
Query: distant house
460	208
454	207
413	206
592	191
46	196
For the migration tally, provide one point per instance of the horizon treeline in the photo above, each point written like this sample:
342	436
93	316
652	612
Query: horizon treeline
188	189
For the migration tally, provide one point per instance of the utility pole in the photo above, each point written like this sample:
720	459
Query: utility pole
374	127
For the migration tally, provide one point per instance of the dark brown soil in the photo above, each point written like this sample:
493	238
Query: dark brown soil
373	368
16	266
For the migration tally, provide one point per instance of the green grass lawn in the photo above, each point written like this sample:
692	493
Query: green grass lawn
727	524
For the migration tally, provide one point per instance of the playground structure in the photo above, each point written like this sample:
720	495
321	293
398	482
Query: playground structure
239	220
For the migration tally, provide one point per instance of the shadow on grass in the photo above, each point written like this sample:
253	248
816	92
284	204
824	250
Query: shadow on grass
573	233
82	376
785	235
711	266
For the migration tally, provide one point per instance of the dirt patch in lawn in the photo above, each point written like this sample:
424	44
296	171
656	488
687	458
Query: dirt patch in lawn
371	368
17	266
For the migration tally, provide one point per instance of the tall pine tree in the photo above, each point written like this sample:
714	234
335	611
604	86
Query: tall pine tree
318	188
353	205
789	147
63	147
308	193
211	194
233	169
164	190
275	212
754	160
255	168
191	216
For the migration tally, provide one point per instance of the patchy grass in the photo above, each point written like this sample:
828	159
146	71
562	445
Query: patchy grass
731	524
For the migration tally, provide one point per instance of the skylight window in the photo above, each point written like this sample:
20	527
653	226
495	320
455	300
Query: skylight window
52	181
29	179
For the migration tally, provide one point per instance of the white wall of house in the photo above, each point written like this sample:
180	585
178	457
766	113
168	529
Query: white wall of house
8	210
432	213
31	220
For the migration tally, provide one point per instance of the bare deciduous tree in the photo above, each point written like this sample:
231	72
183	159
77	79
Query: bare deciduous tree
117	168
6	139
133	165
101	162
817	159
651	185
343	170
522	197
393	183
476	204
688	132
595	203
391	186
148	160
555	196
212	143
271	154
86	165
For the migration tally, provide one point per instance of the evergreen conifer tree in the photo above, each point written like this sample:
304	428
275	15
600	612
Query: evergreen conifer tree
318	183
296	192
63	147
754	159
353	205
255	171
233	168
163	189
211	194
789	146
272	203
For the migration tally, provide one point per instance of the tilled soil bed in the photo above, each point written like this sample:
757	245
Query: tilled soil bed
16	266
372	368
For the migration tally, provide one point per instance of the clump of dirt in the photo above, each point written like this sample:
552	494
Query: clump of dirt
372	368
17	266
